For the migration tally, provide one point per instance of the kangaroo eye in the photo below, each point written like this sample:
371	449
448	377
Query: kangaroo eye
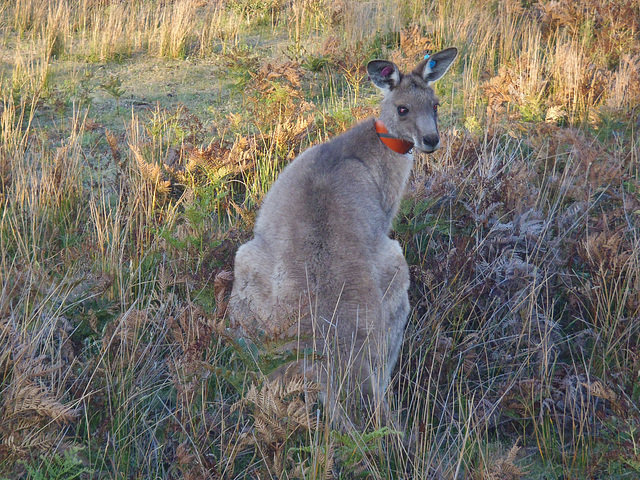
402	110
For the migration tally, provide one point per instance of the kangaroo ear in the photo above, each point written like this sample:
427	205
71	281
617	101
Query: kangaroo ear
384	75
433	67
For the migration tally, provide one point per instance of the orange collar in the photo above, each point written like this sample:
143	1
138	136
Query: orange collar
396	144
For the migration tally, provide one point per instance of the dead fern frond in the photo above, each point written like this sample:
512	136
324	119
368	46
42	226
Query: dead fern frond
598	389
20	442
606	251
35	368
112	140
28	399
269	430
281	409
287	70
502	467
153	176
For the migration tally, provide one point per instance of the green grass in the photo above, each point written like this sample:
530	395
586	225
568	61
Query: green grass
137	141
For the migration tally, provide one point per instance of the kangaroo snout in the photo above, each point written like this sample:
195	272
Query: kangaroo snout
430	143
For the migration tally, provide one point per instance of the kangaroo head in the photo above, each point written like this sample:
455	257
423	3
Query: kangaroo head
409	109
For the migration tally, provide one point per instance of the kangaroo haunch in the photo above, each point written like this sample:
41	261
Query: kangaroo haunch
321	269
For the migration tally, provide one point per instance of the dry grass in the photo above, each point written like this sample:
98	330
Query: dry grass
522	354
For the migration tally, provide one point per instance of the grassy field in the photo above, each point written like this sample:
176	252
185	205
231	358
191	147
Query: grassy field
138	139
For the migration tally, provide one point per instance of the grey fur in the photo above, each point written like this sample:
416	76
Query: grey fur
321	269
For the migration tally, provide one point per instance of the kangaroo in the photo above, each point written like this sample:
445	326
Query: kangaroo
321	269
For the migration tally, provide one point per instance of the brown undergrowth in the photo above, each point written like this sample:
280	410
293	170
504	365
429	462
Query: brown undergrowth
512	291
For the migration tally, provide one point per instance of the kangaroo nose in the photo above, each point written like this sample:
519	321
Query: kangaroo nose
431	141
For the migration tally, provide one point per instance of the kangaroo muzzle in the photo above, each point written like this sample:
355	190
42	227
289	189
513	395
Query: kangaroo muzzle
430	143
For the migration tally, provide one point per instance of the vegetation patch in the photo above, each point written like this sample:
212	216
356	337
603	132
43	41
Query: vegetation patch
137	142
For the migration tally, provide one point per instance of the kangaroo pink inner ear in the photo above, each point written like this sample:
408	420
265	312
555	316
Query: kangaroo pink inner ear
386	71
